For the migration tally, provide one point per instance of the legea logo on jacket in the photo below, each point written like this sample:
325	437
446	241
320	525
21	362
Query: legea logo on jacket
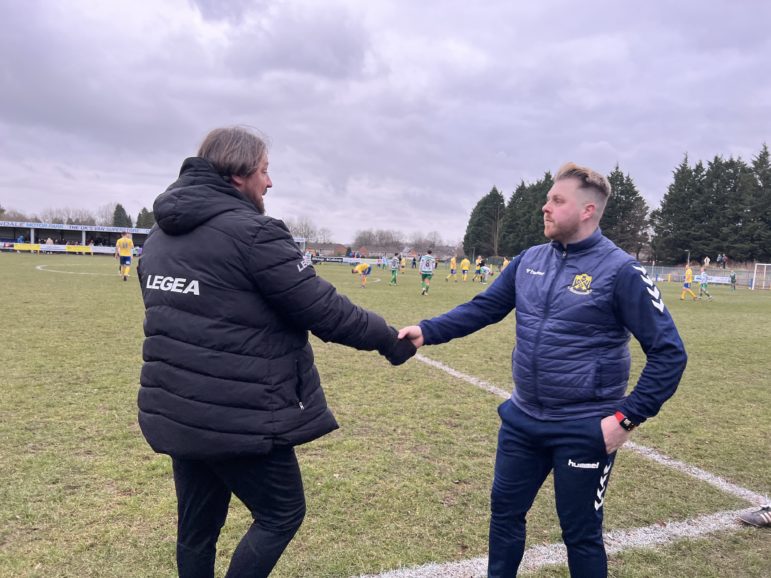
582	284
173	284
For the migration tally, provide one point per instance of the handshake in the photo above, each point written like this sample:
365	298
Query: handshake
397	351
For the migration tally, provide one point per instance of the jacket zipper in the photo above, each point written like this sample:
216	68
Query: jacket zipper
298	390
547	307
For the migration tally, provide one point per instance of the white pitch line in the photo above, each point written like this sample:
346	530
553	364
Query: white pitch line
481	384
45	268
703	475
616	541
651	454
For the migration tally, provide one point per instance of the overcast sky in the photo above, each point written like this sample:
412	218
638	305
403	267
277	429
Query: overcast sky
380	114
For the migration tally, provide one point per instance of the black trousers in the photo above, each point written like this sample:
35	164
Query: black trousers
270	486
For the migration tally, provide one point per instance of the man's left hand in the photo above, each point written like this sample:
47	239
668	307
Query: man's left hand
615	436
403	350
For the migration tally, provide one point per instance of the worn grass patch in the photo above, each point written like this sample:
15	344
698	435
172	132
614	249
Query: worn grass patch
404	481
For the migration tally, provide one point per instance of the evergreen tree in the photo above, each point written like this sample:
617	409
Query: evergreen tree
145	219
121	218
758	229
483	233
625	220
724	207
726	194
523	219
672	222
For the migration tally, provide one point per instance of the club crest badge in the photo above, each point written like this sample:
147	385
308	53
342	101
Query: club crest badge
582	284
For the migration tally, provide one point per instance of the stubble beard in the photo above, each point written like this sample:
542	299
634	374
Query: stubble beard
560	233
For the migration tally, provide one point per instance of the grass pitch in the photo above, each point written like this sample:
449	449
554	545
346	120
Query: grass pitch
405	480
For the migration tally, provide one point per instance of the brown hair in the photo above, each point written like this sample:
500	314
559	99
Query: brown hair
590	180
233	151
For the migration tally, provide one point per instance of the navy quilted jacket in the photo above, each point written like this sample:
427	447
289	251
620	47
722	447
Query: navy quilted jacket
575	309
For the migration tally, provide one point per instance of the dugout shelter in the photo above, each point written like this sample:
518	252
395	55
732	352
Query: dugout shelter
93	239
32	236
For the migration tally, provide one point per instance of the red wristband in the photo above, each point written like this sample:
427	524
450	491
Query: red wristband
625	422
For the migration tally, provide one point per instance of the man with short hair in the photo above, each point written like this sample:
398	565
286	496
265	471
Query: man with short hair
577	299
124	249
478	267
465	265
229	386
687	280
394	269
453	269
363	270
427	266
484	273
704	284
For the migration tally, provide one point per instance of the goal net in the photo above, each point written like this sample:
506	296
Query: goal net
761	277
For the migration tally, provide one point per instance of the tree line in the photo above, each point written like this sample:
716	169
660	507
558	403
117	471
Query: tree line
394	241
721	207
110	215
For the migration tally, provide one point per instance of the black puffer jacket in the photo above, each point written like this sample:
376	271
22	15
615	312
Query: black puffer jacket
228	368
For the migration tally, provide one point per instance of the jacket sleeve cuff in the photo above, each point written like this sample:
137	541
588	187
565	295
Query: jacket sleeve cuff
635	418
429	336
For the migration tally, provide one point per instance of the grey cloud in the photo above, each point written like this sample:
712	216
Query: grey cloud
419	108
230	10
320	41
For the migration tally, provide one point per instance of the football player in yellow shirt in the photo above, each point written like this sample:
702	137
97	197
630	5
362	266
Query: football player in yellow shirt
464	267
453	269
687	283
364	270
478	264
124	248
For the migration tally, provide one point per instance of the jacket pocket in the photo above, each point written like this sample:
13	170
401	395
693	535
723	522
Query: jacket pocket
610	380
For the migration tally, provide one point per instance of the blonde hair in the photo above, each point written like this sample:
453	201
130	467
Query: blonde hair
589	180
233	151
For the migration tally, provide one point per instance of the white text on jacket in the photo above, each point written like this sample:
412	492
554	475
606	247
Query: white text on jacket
173	284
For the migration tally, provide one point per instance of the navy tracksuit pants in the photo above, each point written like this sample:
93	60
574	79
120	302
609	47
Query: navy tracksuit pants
528	449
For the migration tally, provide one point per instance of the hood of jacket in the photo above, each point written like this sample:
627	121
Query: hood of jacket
198	195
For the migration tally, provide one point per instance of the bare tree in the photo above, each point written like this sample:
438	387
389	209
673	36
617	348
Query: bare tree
13	215
54	215
364	238
323	235
81	217
302	227
104	214
418	242
434	239
389	240
68	216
